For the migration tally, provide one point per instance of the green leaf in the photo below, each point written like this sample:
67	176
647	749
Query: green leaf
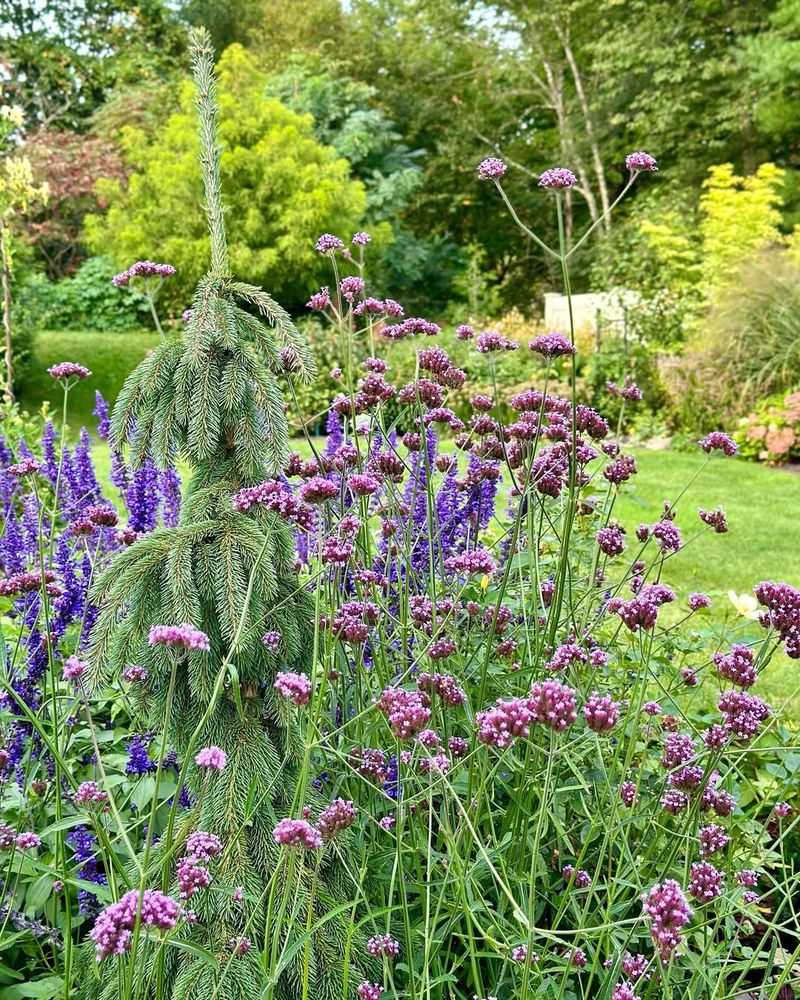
42	989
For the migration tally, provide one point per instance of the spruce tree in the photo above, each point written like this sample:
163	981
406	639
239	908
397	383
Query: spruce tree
213	399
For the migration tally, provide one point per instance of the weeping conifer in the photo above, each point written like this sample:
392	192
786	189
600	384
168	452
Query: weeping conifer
213	399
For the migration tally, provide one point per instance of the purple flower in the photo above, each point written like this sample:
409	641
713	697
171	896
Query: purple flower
611	540
213	758
339	815
490	341
476	561
185	636
369	991
143	269
782	810
667	536
113	930
465	332
407	712
627	792
551	345
553	704
295	687
360	239
737	665
297	833
557	177
640	161
713	838
742	713
705	882
698	601
319	300
191	876
351	287
491	169
68	369
600	712
327	243
714	519
504	722
383	945
89	793
74	669
203	846
782	604
623	991
580	879
748	878
718	441
668	911
28	840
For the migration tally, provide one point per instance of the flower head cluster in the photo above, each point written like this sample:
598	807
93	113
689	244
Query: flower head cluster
782	613
557	177
553	704
211	758
475	561
552	345
491	169
718	441
737	665
743	713
713	838
68	369
184	636
383	945
705	882
89	793
143	269
640	161
611	540
327	243
297	833
601	712
113	930
504	722
74	669
641	612
444	685
295	687
668	911
339	815
407	712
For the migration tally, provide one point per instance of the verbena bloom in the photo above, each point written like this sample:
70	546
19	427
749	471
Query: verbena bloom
601	712
718	441
782	810
143	269
553	704
782	613
339	815
202	845
318	490
351	287
491	168
640	161
623	991
551	345
743	713
698	601
476	561
627	792
134	674
705	882
239	946
295	687
191	876
520	954
74	669
713	838
89	793
580	878
297	833
490	341
747	877
737	665
715	519
185	636
578	958
328	243
68	369
465	332
667	535
383	945
113	930
27	840
360	239
369	991
611	540
319	300
668	911
504	722
213	758
407	712
557	177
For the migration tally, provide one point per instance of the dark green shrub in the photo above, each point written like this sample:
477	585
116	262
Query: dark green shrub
87	301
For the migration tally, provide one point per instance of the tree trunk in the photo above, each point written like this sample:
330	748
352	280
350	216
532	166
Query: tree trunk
5	267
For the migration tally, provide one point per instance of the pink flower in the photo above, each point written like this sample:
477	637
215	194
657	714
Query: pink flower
369	991
407	712
202	845
68	369
212	758
74	669
706	882
713	838
640	161
718	441
295	687
339	815
557	177
601	712
553	704
668	911
504	722
185	636
89	793
113	930
28	841
491	169
383	945
297	833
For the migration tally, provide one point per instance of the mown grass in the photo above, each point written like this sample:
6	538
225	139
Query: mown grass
109	356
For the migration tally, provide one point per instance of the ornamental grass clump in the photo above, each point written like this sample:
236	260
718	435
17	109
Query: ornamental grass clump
408	712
